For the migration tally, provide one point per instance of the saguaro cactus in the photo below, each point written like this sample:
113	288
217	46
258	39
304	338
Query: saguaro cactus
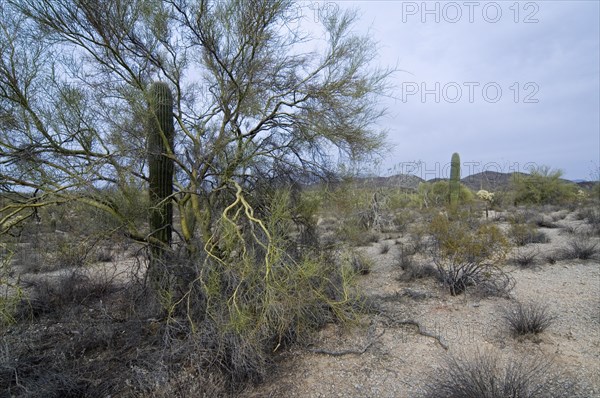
161	132
454	185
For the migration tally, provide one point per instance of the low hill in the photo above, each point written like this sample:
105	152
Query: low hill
404	181
489	180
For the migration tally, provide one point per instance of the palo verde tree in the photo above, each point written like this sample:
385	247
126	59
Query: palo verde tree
248	100
255	97
543	186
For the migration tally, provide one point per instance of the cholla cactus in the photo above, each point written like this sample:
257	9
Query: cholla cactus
486	196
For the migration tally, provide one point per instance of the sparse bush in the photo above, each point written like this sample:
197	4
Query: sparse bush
352	232
402	220
525	258
415	271
560	215
523	233
466	254
581	248
51	295
569	229
484	376
545	222
384	248
551	257
360	264
418	240
592	218
405	256
466	240
528	318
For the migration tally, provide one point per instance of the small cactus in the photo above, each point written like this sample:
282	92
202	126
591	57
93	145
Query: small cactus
454	185
161	132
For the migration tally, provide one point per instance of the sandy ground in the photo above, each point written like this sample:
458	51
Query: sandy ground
398	361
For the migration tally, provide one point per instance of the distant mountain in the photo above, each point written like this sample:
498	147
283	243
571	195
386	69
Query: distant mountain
489	180
492	181
585	184
405	181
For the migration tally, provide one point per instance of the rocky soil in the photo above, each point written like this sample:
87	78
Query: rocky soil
387	356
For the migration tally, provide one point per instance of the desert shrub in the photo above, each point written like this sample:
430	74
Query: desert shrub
402	220
353	232
545	222
581	248
466	254
384	248
400	199
524	233
405	256
360	264
543	186
525	258
466	239
437	194
592	218
418	239
551	257
11	294
483	375
415	270
560	215
528	318
50	295
250	293
569	229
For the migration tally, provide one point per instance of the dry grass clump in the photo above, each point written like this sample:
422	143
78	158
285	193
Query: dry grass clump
360	264
384	248
528	318
543	221
581	248
51	295
413	269
483	375
525	258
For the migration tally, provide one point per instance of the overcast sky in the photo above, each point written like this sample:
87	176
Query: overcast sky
505	84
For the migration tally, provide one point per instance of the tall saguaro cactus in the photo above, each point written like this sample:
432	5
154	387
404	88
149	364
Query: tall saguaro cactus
161	132
454	185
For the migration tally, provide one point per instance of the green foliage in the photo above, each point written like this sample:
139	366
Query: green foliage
255	292
436	194
467	240
543	186
11	294
467	252
454	184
